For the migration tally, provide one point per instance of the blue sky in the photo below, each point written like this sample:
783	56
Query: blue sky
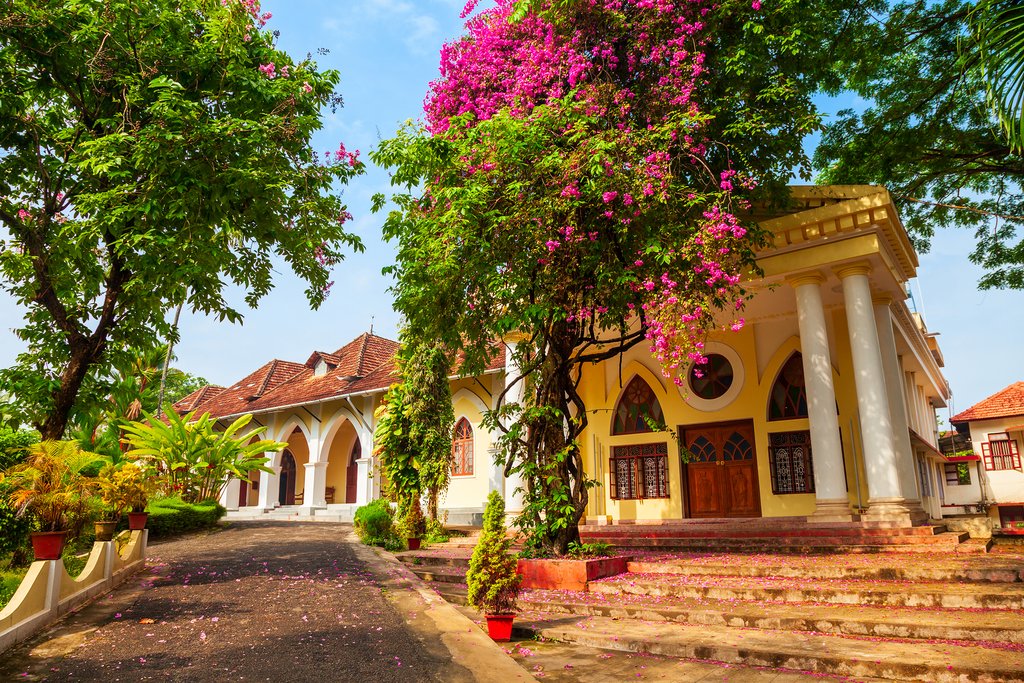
387	53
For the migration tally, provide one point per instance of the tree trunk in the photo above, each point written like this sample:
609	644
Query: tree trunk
53	428
552	447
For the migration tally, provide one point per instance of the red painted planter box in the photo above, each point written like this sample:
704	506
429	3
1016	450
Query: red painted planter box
570	575
137	520
499	627
414	543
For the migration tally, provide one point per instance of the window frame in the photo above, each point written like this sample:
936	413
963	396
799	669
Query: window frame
991	458
466	441
956	479
808	462
659	451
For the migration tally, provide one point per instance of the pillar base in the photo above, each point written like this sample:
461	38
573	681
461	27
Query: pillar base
888	513
831	511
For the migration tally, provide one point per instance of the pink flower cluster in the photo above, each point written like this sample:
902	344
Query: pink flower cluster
343	155
637	67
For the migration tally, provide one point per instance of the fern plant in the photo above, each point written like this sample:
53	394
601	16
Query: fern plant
494	583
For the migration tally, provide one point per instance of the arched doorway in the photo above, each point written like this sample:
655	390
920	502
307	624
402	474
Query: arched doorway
286	491
352	473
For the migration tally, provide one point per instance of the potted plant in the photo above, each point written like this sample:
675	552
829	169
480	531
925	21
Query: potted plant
115	485
130	488
492	578
414	525
50	488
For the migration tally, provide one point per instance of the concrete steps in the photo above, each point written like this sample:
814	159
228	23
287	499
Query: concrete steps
820	591
931	569
982	626
895	659
785	535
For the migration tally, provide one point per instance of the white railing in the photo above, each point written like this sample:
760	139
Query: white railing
48	592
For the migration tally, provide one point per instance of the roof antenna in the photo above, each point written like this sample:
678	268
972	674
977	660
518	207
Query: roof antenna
371	325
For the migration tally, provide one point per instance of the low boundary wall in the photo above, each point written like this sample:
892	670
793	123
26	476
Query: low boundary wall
48	592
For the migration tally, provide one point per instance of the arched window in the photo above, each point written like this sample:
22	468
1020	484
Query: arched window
462	449
637	404
788	399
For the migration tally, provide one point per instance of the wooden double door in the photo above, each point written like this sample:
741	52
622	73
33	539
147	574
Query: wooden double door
721	475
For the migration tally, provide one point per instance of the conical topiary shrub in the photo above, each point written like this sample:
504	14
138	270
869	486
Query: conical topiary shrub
492	577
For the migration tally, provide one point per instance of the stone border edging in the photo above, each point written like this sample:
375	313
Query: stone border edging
470	648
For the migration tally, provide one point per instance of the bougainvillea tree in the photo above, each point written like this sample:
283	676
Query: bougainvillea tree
578	185
151	153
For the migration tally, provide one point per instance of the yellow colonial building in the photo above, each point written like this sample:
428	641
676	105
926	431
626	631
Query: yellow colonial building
822	406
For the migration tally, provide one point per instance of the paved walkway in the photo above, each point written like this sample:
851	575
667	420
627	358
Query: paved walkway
263	602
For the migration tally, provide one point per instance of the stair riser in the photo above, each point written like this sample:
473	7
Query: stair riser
765	532
430	577
428	561
823	663
832	597
944	540
683	545
716	618
826	573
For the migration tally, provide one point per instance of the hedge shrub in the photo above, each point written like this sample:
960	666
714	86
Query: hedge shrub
374	522
172	516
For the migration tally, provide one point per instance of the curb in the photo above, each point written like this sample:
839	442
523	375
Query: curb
478	658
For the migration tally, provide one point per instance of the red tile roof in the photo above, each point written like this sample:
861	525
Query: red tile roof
238	398
365	364
188	403
1006	403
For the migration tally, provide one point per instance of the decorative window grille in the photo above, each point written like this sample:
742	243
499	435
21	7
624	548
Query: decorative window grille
1001	453
639	471
462	449
792	467
957	473
788	399
637	405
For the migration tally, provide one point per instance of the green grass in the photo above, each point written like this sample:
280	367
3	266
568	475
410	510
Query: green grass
10	579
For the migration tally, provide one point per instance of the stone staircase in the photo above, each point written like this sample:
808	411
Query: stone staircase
786	534
936	616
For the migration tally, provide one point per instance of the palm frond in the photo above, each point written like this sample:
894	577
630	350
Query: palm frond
998	30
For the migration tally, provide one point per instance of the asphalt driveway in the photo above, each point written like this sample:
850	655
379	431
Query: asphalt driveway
254	602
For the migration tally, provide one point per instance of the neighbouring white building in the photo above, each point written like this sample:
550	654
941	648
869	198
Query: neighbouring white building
991	477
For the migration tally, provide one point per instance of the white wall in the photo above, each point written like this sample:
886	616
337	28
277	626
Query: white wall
1003	486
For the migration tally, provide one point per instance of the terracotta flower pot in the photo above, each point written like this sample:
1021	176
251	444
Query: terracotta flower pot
47	545
105	530
137	520
414	543
499	627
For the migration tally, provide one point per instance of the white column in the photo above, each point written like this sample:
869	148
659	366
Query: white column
314	488
897	410
833	501
496	474
513	484
885	499
269	484
229	494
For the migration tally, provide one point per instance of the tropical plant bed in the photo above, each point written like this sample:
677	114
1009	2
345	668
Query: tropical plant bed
569	574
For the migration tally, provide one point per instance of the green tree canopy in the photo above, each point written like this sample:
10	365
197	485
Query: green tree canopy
927	131
152	153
